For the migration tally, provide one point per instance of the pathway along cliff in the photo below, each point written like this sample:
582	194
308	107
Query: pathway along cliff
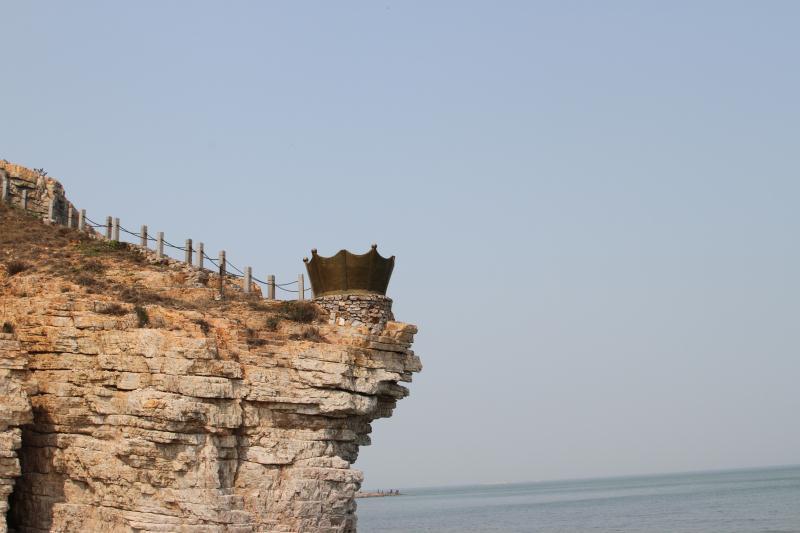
132	400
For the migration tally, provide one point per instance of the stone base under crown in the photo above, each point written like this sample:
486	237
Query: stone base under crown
370	310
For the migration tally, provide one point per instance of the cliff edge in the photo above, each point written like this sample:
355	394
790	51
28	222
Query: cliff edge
133	399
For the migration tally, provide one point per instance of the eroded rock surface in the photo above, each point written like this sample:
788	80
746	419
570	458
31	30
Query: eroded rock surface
135	401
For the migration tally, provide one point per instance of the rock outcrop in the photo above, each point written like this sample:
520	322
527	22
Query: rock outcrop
41	196
133	399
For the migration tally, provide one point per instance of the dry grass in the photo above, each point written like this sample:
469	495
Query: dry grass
252	338
114	310
142	317
303	312
271	323
260	306
94	267
100	267
141	296
204	326
308	334
15	267
85	280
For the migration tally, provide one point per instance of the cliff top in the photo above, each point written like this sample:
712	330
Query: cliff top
72	261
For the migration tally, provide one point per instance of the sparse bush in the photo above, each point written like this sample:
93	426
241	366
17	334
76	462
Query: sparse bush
113	309
8	327
95	247
86	281
141	316
141	297
309	334
205	327
93	266
257	305
312	334
271	324
256	342
303	312
252	339
15	267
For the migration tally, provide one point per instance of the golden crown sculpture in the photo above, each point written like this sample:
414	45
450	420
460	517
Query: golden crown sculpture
349	273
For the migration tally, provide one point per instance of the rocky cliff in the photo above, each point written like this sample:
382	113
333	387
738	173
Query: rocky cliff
133	399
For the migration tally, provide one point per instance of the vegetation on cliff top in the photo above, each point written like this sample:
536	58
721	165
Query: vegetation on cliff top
115	271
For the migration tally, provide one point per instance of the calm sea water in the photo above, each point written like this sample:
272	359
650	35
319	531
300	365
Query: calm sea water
764	500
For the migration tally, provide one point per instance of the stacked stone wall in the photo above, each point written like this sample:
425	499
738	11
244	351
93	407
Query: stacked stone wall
370	310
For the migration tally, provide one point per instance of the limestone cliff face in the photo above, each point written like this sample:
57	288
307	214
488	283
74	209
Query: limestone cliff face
132	399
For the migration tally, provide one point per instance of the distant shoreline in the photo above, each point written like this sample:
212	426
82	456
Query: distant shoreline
377	494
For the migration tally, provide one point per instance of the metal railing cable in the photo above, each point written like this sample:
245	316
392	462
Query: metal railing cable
279	286
239	273
94	224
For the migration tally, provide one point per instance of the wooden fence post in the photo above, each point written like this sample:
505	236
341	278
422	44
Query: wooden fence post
70	216
222	267
24	199
144	236
271	287
248	279
116	229
200	256
188	254
82	220
5	193
109	222
160	245
301	288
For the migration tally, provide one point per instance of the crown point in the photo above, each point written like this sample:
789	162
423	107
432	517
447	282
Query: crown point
305	260
314	251
374	246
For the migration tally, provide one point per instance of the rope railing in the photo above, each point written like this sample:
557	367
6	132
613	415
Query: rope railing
194	256
113	228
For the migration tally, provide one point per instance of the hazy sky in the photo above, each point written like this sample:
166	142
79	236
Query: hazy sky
594	205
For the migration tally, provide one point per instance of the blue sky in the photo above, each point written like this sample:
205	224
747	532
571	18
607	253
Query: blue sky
593	205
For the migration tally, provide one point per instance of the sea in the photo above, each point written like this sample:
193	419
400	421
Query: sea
765	500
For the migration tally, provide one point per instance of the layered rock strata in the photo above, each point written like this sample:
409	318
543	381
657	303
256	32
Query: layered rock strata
137	401
15	411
